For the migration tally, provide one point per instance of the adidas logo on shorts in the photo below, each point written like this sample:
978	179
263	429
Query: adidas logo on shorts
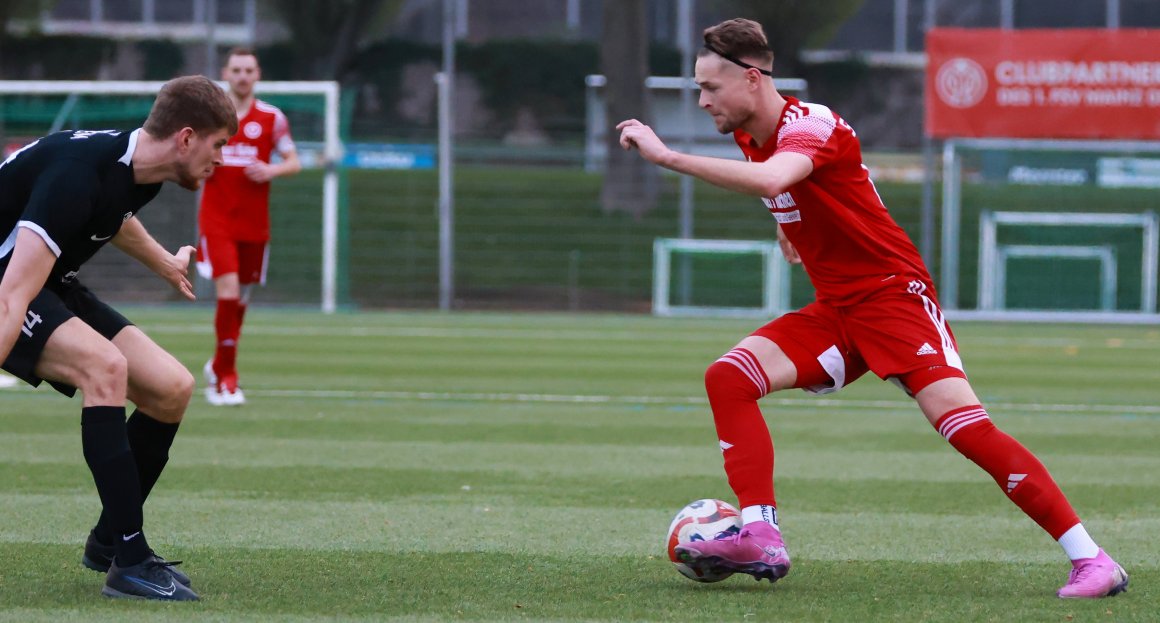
926	350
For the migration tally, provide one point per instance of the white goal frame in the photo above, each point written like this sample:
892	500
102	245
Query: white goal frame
775	276
993	256
952	229
333	149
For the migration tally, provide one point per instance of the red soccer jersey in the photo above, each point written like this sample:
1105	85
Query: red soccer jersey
231	204
849	244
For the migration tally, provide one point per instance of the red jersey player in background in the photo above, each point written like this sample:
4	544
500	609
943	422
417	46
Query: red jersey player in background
875	310
234	218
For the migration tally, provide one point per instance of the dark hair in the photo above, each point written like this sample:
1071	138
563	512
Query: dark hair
737	39
240	51
191	102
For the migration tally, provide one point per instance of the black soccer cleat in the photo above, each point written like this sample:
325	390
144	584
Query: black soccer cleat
148	579
99	557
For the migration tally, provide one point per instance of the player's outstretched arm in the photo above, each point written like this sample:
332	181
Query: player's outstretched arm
760	179
28	270
172	267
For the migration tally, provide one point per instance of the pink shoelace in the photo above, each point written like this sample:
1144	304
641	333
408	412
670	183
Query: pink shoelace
736	538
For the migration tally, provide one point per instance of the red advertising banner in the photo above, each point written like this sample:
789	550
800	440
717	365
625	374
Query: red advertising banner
1043	83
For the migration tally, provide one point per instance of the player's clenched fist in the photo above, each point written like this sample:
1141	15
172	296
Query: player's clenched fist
633	133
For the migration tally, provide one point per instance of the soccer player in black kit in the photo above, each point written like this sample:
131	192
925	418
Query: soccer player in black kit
62	198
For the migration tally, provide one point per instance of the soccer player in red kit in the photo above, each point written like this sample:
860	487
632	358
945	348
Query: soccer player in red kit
234	218
875	310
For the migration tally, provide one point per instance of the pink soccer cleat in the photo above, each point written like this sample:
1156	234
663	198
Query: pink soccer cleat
1092	578
757	550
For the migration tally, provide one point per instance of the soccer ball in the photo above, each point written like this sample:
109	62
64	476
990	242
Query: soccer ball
702	520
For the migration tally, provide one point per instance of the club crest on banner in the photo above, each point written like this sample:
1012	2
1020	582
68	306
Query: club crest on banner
961	82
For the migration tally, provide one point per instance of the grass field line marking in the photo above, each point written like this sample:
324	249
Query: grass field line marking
428	332
500	461
1065	342
558	334
682	400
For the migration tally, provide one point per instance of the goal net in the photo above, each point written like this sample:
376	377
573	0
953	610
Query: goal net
304	209
1050	229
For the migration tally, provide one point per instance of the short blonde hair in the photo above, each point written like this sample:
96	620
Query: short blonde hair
737	39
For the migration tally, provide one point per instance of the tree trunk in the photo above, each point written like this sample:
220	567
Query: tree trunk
630	182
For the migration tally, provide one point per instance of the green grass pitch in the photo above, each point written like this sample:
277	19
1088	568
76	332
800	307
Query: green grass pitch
486	467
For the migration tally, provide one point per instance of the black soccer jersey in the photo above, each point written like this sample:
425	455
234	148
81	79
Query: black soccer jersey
74	189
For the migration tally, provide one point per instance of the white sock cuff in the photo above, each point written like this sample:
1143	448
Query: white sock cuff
1077	544
759	512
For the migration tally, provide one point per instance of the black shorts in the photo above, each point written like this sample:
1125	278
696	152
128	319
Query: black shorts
52	307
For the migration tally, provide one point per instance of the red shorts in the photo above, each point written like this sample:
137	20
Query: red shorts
898	333
218	255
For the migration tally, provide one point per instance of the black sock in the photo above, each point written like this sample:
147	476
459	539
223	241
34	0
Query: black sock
149	440
106	449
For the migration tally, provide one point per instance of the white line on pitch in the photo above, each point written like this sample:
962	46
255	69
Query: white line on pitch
607	399
616	335
428	332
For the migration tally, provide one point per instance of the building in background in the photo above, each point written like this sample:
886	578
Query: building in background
231	22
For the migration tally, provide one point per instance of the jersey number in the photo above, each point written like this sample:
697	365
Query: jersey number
83	134
30	320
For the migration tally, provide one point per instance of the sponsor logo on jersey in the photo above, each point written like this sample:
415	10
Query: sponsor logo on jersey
252	129
239	155
784	201
960	83
792	216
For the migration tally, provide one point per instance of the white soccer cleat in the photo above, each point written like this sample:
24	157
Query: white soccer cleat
225	393
214	397
234	398
210	376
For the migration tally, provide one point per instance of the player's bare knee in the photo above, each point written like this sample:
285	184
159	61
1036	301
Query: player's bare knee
181	391
168	399
104	375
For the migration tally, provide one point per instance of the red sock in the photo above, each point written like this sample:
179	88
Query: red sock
734	383
1021	476
226	324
